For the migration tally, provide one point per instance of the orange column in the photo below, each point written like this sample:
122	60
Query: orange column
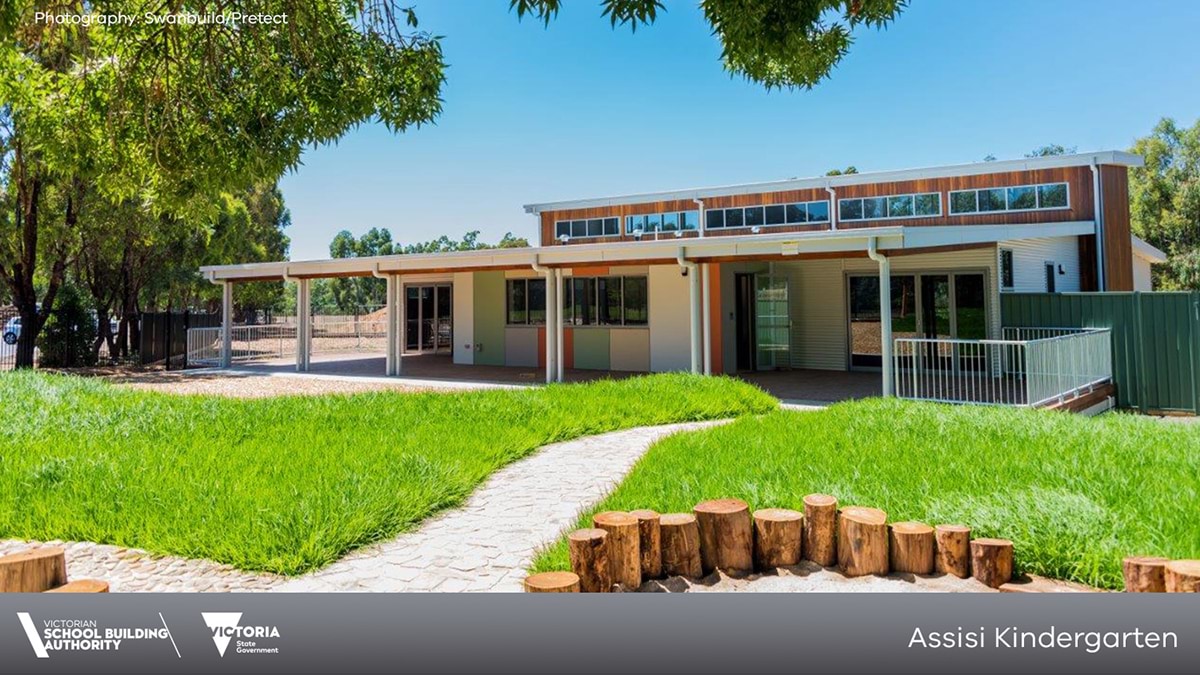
714	303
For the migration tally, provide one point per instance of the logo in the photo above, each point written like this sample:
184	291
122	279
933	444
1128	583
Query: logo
87	635
226	626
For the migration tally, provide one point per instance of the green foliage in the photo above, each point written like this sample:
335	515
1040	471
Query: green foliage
842	172
66	339
1165	201
1073	493
1051	150
289	484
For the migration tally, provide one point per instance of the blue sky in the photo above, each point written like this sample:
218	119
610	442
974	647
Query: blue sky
581	110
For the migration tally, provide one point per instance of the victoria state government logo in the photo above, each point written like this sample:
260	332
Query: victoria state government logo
226	627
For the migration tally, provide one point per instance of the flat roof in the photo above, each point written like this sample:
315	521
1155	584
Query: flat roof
1114	157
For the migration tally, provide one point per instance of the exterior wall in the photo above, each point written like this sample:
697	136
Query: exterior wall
521	346
1030	257
489	319
592	348
670	338
464	317
630	349
1142	278
1118	242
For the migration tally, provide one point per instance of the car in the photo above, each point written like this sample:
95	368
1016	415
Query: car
12	330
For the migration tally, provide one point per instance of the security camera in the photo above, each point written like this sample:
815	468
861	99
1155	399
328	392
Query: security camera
683	271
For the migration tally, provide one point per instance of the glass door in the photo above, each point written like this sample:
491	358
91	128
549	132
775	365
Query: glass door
935	317
772	322
428	318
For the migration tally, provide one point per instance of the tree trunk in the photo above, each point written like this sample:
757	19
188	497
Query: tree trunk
649	542
820	529
952	554
681	545
589	560
1183	576
862	541
777	537
624	553
911	548
726	536
552	582
1144	574
33	571
992	561
82	586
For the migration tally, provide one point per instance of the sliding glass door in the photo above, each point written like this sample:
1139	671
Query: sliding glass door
428	312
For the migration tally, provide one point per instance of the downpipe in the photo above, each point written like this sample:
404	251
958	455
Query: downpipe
885	311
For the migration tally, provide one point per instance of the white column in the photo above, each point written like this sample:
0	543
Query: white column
389	368
560	358
885	321
398	332
706	314
303	325
227	324
551	325
694	305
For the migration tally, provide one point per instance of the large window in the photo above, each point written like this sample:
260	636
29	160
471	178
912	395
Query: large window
921	205
526	301
796	213
673	221
605	301
588	227
1018	198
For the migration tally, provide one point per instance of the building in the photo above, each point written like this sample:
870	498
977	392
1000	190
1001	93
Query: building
781	275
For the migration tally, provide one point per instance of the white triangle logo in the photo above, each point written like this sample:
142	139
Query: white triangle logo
218	620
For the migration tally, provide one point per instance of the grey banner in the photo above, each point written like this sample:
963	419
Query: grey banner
1104	633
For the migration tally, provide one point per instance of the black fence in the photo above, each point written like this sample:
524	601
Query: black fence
164	336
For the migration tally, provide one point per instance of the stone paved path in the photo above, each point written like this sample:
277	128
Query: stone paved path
487	544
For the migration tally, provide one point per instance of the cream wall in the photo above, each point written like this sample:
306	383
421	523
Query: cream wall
464	317
670	319
1142	279
1029	263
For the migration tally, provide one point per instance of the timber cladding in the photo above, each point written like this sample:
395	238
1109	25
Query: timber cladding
1078	179
1118	246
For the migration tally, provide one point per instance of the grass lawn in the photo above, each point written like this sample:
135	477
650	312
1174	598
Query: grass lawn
1074	494
289	484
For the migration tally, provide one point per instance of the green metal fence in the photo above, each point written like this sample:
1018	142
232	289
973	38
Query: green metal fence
1155	338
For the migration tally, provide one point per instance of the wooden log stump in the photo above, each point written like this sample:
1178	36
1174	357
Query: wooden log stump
910	547
649	542
952	550
680	545
33	571
589	560
82	586
777	537
820	529
623	544
552	582
1182	576
862	546
1144	574
992	561
726	536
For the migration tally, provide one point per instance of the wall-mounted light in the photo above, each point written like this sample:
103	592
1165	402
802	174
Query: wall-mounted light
1061	270
678	233
755	230
564	238
637	234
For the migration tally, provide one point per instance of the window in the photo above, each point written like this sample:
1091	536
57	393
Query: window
776	214
923	205
798	213
754	216
672	221
1016	198
714	219
591	227
1006	268
526	302
603	301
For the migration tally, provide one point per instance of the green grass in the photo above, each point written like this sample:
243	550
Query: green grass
289	484
1074	494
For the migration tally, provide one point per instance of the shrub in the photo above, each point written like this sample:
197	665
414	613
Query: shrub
66	340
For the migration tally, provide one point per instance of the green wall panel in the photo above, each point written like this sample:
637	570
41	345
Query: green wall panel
488	312
592	348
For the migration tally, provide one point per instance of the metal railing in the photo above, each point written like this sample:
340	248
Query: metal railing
276	341
1031	367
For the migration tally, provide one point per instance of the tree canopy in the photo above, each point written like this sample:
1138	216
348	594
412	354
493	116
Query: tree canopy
1165	201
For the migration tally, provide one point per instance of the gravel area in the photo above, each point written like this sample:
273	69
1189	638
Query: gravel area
809	577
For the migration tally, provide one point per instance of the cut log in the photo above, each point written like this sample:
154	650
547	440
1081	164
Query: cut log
589	560
552	582
624	556
952	550
726	536
820	529
649	542
992	561
680	545
1183	576
1144	574
910	547
777	535
82	586
862	546
33	571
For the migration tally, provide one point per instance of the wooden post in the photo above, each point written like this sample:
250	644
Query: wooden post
992	561
33	571
952	554
1183	576
680	545
552	582
624	556
726	536
777	535
1144	574
82	586
820	529
910	548
589	560
649	542
862	546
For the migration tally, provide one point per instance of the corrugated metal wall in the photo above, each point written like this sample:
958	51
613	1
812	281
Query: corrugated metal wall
1156	339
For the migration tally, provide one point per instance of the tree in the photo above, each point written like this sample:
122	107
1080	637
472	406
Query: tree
1052	150
777	43
842	172
1165	200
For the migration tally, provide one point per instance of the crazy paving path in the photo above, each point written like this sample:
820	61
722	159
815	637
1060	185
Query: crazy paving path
489	542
